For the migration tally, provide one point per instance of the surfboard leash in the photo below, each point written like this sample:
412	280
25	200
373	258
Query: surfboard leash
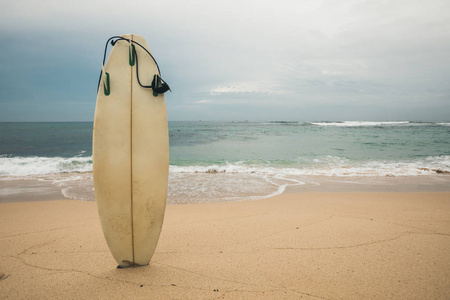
158	85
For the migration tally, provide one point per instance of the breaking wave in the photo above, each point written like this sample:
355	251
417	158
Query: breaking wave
36	165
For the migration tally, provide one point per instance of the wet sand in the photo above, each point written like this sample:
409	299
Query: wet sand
309	245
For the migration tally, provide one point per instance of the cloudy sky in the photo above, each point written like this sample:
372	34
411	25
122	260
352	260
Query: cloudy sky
235	60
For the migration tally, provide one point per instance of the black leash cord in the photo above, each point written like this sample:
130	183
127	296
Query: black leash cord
113	42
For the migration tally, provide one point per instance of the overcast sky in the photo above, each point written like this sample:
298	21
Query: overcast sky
235	60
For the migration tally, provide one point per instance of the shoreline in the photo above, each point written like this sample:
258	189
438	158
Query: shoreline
315	245
79	186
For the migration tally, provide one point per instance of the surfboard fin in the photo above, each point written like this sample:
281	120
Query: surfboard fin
106	85
159	86
131	53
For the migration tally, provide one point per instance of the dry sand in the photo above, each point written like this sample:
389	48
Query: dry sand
298	245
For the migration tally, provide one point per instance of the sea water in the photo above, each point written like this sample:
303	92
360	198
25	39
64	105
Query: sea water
229	161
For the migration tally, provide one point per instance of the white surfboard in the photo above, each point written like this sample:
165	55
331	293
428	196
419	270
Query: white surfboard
130	153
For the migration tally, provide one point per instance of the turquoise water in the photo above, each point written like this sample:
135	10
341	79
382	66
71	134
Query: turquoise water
267	156
404	147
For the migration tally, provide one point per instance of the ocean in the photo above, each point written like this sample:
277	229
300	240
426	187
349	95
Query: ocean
233	161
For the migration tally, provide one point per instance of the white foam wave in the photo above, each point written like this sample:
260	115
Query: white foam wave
229	182
35	165
331	166
196	184
323	166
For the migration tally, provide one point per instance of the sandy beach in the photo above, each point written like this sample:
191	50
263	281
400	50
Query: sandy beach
296	245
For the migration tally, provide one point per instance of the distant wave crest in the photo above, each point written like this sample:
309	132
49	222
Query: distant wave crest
376	123
359	123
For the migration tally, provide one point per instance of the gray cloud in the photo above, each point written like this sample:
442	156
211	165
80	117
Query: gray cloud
240	59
